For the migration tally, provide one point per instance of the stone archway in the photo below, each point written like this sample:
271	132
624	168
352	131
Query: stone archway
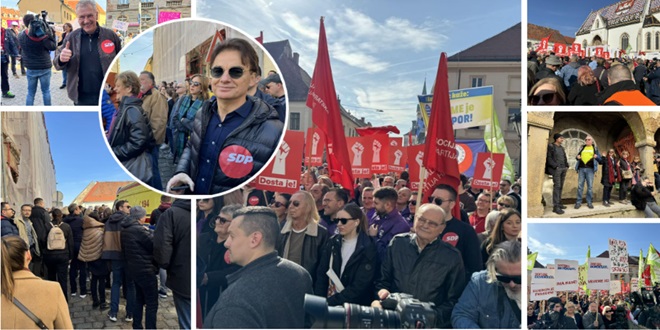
596	41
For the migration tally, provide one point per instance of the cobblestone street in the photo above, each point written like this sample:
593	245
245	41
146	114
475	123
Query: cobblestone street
19	88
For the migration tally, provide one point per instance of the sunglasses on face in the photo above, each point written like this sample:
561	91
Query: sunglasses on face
438	201
218	219
343	220
235	72
503	205
507	279
412	202
295	203
196	84
547	98
205	200
277	204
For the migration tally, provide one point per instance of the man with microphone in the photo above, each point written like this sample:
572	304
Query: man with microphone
91	47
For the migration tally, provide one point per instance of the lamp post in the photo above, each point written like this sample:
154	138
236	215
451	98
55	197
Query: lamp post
515	119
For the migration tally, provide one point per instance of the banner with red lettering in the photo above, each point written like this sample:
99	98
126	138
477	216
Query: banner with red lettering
543	46
606	55
577	47
314	147
380	153
599	51
283	173
559	49
488	172
415	158
398	155
541	291
360	152
598	274
566	275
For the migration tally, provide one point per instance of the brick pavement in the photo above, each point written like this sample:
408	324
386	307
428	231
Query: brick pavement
19	88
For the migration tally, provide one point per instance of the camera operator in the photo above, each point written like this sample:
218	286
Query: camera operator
643	198
36	43
494	290
424	266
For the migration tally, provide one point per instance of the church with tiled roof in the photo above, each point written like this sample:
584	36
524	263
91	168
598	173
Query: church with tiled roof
629	25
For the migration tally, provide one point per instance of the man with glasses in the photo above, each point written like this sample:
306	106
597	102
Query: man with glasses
587	164
423	266
478	217
333	201
233	135
498	288
9	228
556	165
458	233
274	87
505	190
388	221
592	319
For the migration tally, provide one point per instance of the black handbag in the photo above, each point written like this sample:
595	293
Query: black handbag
31	315
140	167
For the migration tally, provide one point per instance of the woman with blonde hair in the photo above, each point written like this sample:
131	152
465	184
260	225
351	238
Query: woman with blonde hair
302	238
583	92
20	287
547	91
184	111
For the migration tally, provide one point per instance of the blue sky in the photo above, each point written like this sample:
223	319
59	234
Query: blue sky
564	15
380	51
79	152
137	53
571	241
13	3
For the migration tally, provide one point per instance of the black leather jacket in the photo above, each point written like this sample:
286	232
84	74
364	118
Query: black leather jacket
131	134
138	248
259	134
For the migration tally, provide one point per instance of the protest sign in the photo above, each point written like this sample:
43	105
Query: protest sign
380	153
165	16
470	107
488	172
618	250
541	291
119	25
615	287
398	155
598	274
360	152
283	173
566	275
543	276
415	157
314	147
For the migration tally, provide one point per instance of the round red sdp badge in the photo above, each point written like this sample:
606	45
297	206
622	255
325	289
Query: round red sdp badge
235	161
107	46
451	238
253	201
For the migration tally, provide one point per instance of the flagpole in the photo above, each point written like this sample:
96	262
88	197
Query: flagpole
492	129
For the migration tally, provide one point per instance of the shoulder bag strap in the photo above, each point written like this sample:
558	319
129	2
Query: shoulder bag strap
31	315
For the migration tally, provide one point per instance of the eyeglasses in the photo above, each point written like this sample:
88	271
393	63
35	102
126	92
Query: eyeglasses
503	205
423	221
180	86
235	72
205	200
196	84
413	202
508	278
277	204
438	201
267	87
483	200
295	203
344	220
547	98
221	220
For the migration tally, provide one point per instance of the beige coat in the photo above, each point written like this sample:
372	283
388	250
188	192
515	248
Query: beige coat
43	298
91	247
155	107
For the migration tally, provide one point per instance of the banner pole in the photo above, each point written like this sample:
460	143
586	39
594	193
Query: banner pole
492	129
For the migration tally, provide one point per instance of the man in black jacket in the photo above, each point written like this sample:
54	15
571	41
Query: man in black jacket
75	221
172	252
36	43
41	223
556	164
234	135
643	197
424	266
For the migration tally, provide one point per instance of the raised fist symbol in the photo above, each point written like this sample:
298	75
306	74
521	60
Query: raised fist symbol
397	157
489	165
419	158
279	166
315	142
358	149
376	156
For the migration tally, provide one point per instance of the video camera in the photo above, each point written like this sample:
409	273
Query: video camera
40	26
400	310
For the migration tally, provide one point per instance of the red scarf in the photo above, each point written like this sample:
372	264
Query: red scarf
610	171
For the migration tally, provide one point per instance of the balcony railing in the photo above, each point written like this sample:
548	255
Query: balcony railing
174	3
123	6
147	5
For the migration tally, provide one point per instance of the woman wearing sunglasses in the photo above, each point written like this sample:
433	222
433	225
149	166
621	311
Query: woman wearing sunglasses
233	135
302	238
207	210
608	318
547	91
184	111
349	262
279	204
212	258
507	228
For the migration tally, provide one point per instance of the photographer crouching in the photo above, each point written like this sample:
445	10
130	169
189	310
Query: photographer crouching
36	43
643	198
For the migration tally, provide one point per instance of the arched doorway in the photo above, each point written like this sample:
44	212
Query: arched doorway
596	41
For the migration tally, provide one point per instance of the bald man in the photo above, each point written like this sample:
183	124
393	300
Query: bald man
622	89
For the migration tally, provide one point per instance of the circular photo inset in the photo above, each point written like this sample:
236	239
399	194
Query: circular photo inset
186	110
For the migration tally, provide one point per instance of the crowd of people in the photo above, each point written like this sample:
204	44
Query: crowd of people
38	48
636	310
116	246
575	80
358	246
204	122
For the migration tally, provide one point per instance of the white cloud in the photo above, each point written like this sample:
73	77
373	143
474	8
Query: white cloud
304	26
356	58
535	246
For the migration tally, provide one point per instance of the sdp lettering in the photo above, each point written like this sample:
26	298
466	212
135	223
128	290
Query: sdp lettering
239	158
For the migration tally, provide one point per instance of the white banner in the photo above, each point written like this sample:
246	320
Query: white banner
615	287
634	285
598	274
119	25
543	276
618	250
541	291
566	275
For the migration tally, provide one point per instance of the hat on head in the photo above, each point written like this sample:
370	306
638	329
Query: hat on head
272	78
14	23
553	60
557	135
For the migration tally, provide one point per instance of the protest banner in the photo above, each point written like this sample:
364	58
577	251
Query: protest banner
120	25
618	250
598	274
360	152
283	173
165	16
543	276
606	55
488	172
470	107
541	291
577	47
380	156
566	275
615	287
634	285
415	157
314	147
398	155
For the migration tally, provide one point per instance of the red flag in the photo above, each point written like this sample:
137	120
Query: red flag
577	47
543	46
260	38
322	99
364	131
440	155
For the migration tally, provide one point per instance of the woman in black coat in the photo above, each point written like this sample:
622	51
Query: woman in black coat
57	261
131	137
357	272
584	90
624	185
611	174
